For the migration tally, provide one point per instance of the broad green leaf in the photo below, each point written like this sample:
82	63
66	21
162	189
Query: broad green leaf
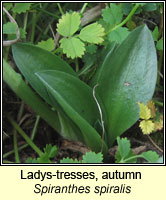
118	35
30	59
92	33
68	129
128	75
23	91
21	7
112	15
47	45
69	24
92	157
76	99
72	47
9	28
150	156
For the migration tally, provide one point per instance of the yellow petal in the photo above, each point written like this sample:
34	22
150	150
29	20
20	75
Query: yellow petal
147	126
144	111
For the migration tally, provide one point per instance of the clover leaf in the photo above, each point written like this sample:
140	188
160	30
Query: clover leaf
68	24
92	33
72	47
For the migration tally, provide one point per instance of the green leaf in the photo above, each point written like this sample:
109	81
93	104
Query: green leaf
118	35
150	7
159	44
8	6
128	75
47	45
150	156
72	47
69	160
92	33
31	160
123	147
21	7
22	90
92	157
127	7
31	59
68	129
43	158
155	33
112	15
9	28
91	49
160	160
22	33
69	24
70	93
51	151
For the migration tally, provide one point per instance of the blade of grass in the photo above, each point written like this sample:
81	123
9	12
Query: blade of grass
24	135
25	145
17	159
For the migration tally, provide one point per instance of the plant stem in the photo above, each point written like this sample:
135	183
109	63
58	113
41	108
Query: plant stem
33	27
130	158
24	135
32	138
157	147
83	9
60	9
16	147
125	20
77	65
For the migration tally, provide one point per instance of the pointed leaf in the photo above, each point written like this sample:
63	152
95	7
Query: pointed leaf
128	75
76	98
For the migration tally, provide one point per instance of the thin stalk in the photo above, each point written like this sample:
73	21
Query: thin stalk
24	135
125	20
17	159
130	158
83	8
60	9
158	103
33	27
159	65
32	138
77	65
25	21
35	127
